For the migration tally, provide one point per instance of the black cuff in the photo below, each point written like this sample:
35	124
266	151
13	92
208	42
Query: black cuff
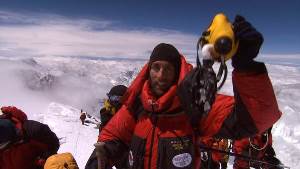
252	67
115	149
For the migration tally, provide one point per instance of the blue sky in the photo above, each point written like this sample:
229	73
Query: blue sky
277	20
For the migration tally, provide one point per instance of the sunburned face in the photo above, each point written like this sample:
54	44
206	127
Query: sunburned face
162	76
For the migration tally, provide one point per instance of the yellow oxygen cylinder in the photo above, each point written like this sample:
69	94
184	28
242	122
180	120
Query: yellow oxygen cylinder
220	34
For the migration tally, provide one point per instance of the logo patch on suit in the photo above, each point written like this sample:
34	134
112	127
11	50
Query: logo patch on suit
180	145
182	160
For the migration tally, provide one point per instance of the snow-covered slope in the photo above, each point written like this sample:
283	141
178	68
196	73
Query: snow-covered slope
53	90
286	132
74	137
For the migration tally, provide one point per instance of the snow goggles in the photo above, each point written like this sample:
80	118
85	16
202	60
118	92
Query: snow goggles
114	98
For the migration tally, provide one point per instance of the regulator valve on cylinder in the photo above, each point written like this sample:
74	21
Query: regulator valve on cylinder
218	44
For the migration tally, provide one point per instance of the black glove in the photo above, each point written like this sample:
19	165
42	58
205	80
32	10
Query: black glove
197	93
250	41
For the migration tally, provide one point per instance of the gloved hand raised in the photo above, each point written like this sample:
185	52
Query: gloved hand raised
250	41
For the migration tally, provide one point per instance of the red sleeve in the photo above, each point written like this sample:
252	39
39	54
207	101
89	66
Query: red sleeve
120	127
256	93
252	110
222	107
22	155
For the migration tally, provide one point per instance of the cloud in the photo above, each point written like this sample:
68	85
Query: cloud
36	34
29	18
280	59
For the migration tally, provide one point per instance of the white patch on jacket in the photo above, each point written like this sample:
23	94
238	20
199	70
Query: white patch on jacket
182	160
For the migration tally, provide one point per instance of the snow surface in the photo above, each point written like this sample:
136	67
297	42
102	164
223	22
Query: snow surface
74	137
52	90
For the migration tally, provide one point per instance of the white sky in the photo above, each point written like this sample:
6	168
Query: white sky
52	35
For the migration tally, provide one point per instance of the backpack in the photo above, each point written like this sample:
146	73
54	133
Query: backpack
11	126
17	116
61	161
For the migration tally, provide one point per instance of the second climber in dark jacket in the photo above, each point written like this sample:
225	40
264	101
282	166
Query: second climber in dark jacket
111	105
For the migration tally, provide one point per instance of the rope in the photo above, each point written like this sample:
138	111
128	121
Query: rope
198	46
256	146
243	157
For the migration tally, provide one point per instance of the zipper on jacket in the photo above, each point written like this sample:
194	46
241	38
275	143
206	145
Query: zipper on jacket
154	118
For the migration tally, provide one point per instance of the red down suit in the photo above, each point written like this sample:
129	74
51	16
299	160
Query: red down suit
159	134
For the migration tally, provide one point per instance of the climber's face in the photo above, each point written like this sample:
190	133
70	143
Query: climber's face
162	76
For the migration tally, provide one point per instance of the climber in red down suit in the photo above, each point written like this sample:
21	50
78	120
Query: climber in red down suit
154	126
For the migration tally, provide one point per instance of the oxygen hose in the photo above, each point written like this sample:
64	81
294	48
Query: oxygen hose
198	47
222	69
